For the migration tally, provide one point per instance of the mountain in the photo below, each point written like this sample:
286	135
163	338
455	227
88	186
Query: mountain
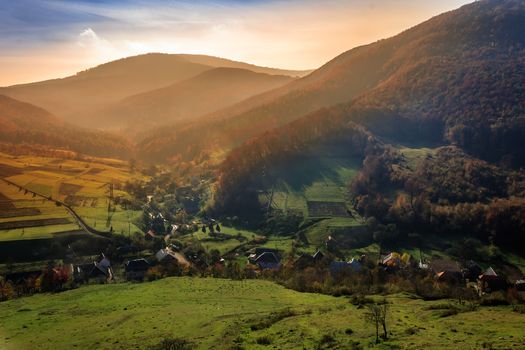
79	97
340	80
441	137
22	122
205	93
456	78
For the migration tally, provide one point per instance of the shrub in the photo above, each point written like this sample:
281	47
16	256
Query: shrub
264	340
174	344
494	299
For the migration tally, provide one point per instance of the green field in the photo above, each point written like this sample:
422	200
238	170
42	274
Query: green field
414	155
323	179
221	314
83	184
223	246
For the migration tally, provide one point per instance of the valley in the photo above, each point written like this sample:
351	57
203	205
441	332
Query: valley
188	201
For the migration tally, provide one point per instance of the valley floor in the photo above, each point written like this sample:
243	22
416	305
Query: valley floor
217	313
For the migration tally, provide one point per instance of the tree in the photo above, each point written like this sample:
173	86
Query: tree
376	314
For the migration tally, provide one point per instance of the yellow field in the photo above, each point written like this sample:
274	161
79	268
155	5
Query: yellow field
83	184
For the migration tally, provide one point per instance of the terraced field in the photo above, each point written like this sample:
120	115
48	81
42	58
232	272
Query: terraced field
83	184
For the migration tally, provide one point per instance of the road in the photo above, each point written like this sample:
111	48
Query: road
88	229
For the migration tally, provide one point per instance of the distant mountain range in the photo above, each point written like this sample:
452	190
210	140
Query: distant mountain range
80	99
205	93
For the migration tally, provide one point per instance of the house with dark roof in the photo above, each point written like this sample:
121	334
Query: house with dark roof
446	270
266	260
341	266
520	285
136	269
472	270
307	260
489	281
166	256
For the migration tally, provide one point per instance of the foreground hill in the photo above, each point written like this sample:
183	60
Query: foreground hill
225	314
78	97
22	122
457	78
207	92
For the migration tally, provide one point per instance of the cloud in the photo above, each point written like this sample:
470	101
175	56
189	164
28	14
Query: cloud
90	40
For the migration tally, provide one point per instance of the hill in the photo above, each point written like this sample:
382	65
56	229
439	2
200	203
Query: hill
340	80
441	138
221	314
77	98
205	93
22	122
456	78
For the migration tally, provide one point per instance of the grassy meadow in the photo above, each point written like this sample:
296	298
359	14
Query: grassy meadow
83	184
254	314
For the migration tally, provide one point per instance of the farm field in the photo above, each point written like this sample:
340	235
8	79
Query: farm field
83	184
312	181
252	314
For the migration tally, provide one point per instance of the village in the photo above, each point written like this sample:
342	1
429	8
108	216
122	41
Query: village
160	256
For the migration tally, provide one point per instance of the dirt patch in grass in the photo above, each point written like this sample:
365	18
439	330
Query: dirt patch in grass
16	212
95	171
327	209
6	170
33	223
69	189
6	203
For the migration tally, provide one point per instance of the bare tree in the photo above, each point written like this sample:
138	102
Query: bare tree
377	314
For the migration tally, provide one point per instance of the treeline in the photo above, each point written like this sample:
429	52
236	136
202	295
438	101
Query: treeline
449	193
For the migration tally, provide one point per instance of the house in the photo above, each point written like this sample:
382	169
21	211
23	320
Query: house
99	271
318	256
136	269
150	235
255	253
472	270
520	285
392	260
446	270
307	260
267	260
340	266
489	281
166	255
331	244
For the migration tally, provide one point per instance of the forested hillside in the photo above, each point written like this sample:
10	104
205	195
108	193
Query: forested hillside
22	123
455	86
456	78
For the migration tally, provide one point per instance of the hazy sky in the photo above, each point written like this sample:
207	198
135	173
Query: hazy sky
42	39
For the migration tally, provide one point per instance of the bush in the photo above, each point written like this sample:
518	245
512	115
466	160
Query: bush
264	340
494	299
174	344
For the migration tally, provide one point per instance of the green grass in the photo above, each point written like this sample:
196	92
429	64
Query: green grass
414	155
223	246
317	178
36	232
216	313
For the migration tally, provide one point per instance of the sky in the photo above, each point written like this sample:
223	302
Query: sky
44	39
